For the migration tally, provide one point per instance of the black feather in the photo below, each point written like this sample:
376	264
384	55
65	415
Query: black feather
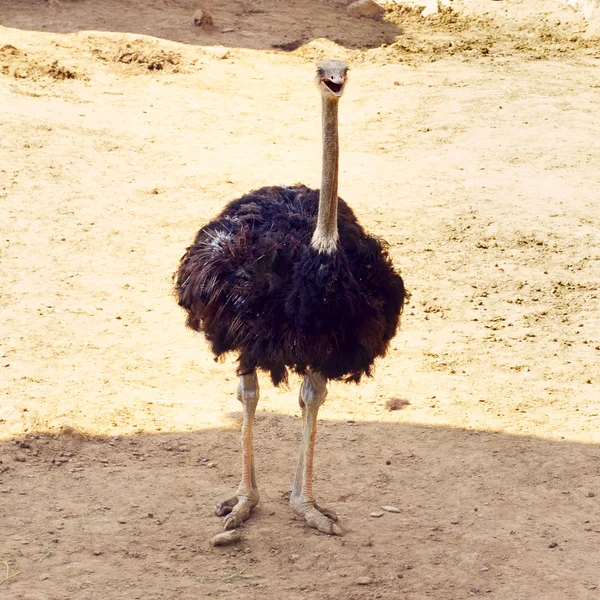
254	285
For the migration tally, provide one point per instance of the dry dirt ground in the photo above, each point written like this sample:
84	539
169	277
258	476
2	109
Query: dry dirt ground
470	141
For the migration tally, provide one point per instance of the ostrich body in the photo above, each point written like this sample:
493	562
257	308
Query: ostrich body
287	278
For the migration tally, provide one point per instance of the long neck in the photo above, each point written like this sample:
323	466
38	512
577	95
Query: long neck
325	237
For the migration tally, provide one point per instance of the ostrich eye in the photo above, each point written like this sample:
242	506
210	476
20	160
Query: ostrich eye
320	72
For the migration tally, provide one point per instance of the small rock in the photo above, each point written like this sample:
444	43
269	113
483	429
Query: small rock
366	8
227	30
211	465
376	514
203	19
484	569
97	552
364	581
391	509
396	404
226	537
553	545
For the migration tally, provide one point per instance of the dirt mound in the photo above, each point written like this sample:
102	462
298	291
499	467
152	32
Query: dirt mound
138	55
455	33
20	65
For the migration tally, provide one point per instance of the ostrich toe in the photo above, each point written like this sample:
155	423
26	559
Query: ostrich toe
322	519
235	511
331	514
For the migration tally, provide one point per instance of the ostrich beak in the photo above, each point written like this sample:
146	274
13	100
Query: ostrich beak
335	84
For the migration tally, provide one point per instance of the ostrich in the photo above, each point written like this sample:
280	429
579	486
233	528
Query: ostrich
288	279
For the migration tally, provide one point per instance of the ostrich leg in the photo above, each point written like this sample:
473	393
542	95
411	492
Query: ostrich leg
312	394
236	509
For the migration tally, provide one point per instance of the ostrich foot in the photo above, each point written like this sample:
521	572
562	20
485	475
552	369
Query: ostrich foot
235	510
315	516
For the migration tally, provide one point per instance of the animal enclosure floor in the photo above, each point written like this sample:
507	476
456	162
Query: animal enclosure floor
470	142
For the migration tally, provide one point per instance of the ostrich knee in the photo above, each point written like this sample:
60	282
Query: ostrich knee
313	390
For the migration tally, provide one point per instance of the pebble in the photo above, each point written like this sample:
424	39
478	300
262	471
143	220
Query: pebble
376	514
226	537
366	8
364	581
391	509
202	19
484	569
211	465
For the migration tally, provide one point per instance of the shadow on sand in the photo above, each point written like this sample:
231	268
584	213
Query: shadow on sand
256	24
483	514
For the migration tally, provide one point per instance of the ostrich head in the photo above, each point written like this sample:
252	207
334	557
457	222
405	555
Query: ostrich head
331	77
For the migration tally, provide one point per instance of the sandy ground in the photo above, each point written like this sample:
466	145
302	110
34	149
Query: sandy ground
470	142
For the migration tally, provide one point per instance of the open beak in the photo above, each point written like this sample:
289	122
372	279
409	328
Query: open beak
334	84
